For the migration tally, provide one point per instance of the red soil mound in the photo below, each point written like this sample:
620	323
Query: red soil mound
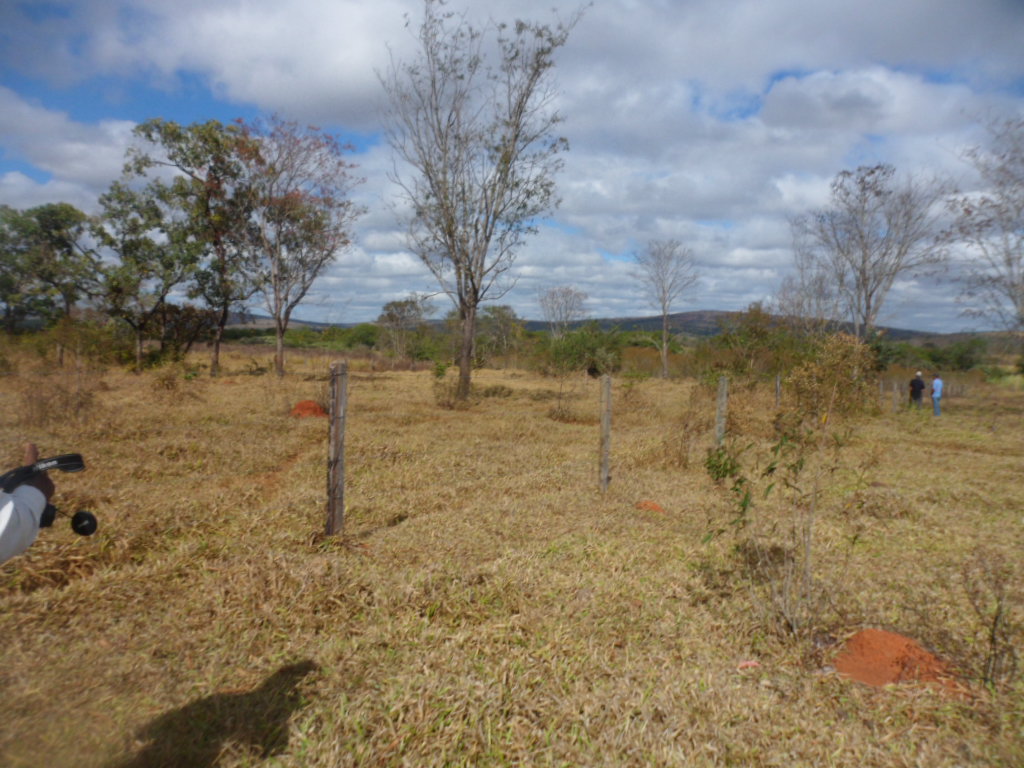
877	657
651	506
305	408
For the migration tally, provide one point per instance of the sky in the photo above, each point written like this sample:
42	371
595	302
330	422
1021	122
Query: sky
712	122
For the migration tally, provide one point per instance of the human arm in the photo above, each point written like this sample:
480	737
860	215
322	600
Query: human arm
20	512
22	509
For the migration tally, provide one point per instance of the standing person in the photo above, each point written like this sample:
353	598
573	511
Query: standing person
937	395
22	508
916	390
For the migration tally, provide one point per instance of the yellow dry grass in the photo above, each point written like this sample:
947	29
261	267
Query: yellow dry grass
487	605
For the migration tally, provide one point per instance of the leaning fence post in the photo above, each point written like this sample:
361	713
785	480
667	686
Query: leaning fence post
336	449
723	407
604	470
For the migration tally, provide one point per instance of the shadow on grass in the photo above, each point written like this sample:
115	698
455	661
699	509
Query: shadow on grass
198	734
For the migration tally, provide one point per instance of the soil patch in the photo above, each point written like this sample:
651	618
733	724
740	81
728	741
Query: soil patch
307	408
877	657
651	506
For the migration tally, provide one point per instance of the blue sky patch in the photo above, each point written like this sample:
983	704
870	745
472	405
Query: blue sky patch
38	12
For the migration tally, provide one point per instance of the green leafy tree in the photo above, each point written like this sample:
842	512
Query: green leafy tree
400	320
152	253
180	326
362	335
20	293
211	189
500	332
46	264
60	258
589	349
755	343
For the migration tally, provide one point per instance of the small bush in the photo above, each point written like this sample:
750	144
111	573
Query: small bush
446	391
992	586
168	378
835	382
562	413
721	463
50	398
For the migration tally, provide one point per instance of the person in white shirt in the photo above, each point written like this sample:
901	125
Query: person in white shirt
22	508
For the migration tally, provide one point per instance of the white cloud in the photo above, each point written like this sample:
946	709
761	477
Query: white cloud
710	121
19	191
74	154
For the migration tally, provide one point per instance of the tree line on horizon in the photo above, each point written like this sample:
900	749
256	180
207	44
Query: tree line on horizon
223	215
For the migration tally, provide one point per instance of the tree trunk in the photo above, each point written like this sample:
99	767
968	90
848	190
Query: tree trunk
66	323
138	349
218	333
279	352
664	346
466	352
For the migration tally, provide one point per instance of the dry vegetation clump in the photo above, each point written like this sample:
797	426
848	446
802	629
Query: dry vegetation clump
487	605
47	396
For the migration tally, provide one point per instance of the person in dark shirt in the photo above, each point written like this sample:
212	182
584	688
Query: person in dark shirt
916	390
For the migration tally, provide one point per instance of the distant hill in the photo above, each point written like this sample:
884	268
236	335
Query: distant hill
258	322
707	322
700	323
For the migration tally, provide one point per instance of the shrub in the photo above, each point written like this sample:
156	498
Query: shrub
835	380
588	349
58	398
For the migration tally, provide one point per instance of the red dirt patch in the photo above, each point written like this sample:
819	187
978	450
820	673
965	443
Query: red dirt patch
306	408
650	506
877	657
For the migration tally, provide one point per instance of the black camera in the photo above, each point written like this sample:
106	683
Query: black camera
82	522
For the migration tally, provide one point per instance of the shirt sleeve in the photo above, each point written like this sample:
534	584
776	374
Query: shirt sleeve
20	511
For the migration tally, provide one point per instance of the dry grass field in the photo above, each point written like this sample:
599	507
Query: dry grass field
488	605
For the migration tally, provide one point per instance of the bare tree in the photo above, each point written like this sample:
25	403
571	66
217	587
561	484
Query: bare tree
401	319
300	217
875	230
666	271
560	307
808	300
475	153
990	223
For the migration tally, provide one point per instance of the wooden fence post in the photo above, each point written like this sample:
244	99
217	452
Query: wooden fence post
723	408
895	397
778	390
336	449
604	470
